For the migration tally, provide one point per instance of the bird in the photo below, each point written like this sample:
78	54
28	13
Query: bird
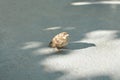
59	41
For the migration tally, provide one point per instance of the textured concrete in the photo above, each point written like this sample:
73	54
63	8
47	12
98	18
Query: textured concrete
27	26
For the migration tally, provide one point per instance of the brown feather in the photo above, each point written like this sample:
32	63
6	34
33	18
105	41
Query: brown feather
60	40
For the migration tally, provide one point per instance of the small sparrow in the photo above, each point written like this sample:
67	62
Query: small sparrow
59	41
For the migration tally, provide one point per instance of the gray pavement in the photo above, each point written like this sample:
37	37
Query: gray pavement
27	26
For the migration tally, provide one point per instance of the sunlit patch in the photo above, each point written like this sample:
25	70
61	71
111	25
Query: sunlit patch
95	2
81	63
81	3
110	34
52	28
43	51
100	36
29	45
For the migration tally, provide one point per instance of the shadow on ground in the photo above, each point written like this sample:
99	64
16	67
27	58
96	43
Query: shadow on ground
80	45
97	77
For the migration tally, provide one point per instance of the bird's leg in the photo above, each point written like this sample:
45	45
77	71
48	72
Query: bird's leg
57	49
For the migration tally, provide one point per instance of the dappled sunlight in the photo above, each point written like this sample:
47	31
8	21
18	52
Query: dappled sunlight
103	59
40	48
27	27
97	53
100	36
113	4
95	2
32	44
43	51
58	28
52	28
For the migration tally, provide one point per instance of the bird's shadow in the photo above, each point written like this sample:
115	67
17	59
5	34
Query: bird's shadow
80	45
73	46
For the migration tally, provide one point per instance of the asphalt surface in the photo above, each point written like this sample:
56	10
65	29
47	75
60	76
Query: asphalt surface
27	26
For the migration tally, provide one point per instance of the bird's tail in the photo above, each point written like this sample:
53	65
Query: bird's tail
50	44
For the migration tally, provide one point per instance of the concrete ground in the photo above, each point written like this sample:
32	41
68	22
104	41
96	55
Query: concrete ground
27	26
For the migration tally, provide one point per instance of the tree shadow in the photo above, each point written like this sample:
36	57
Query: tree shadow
97	77
118	35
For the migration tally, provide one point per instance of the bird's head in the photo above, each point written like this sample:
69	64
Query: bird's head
65	35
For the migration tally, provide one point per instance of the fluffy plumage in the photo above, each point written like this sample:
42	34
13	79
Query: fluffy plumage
60	40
